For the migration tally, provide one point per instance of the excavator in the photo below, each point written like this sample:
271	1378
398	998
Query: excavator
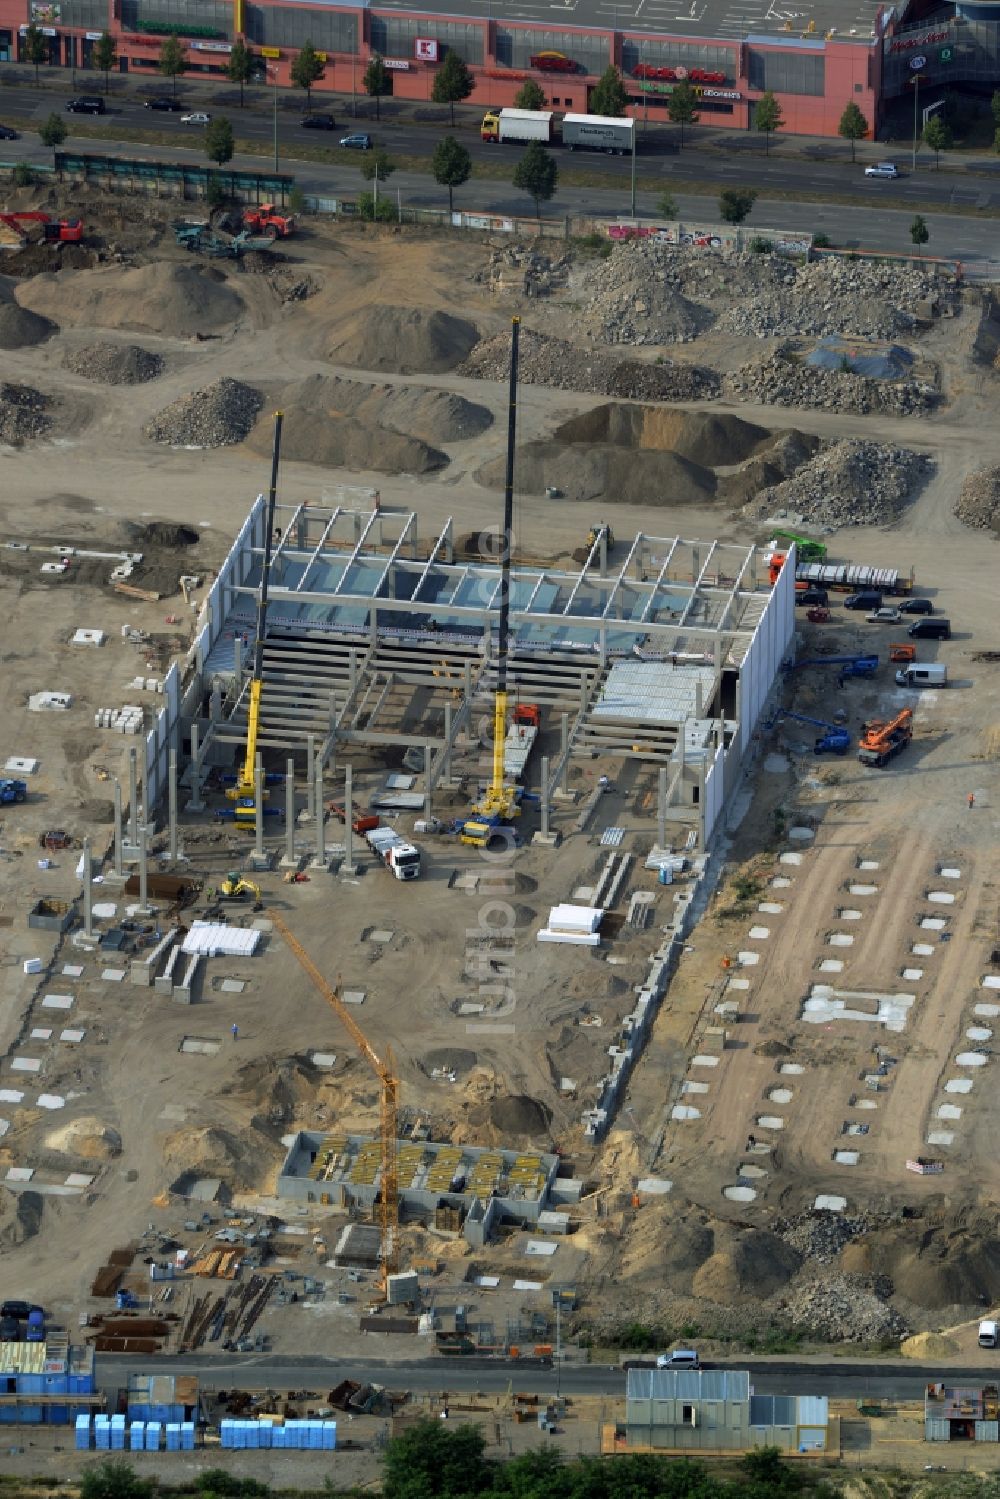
835	741
881	739
594	534
244	792
235	887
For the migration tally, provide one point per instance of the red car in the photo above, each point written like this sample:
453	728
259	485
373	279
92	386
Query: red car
553	62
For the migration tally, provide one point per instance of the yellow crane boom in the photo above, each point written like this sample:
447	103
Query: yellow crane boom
384	1069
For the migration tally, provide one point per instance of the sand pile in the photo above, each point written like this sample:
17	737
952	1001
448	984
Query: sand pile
113	364
87	1137
348	424
926	1346
177	300
405	340
22	413
978	503
755	1264
946	1270
713	441
19	328
216	417
235	1159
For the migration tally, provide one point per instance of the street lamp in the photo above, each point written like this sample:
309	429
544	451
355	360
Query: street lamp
274	73
916	63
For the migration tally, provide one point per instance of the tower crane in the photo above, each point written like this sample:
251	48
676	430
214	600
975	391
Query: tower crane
385	1070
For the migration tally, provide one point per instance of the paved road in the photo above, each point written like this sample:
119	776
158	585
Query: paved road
838	1380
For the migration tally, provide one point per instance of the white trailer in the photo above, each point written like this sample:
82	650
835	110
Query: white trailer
395	853
517	125
598	133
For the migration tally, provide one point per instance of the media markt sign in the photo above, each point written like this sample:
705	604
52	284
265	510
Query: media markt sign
947	54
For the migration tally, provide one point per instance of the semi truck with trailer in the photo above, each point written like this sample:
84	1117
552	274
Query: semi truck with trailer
394	852
517	126
598	133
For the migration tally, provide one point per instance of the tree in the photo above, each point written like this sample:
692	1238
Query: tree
995	107
239	68
114	1479
682	106
377	82
54	130
735	203
307	69
919	232
451	165
767	118
219	142
105	56
853	126
938	137
378	166
172	60
609	97
666	206
537	174
36	47
434	1457
530	95
453	82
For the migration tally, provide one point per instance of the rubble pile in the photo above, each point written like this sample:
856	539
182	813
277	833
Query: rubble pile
865	298
114	364
564	366
635	297
849	483
820	1237
215	417
978	503
22	413
846	1309
786	381
523	270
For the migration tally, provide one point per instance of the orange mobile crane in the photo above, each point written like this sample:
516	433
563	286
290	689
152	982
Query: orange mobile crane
881	740
384	1069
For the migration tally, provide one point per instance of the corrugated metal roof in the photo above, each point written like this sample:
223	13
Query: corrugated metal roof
688	1384
22	1358
814	1410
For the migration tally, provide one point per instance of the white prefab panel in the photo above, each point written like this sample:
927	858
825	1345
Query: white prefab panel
211	938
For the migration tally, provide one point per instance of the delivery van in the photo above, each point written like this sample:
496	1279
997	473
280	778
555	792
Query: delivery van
922	674
988	1334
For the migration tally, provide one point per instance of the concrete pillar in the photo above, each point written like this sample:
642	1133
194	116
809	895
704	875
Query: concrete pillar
237	665
172	805
311	777
143	872
428	788
564	749
349	865
544	798
353	667
661	808
701	805
258	809
467	680
602	552
695	562
88	893
698	703
319	862
289	860
195	802
446	762
119	830
133	796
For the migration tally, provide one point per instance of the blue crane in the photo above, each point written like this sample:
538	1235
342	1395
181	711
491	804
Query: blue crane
850	666
835	741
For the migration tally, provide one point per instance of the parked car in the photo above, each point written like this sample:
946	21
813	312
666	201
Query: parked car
811	595
882	169
7	133
357	142
868	599
86	105
916	606
930	629
35	1330
15	1309
680	1358
198	117
10	1330
319	122
884	616
165	102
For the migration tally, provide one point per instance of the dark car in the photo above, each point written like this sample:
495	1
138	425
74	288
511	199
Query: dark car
319	122
930	629
86	105
10	1330
15	1309
916	606
812	596
357	142
173	105
7	133
866	599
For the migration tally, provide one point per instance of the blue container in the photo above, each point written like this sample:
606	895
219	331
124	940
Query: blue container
137	1436
118	1423
31	1384
152	1436
138	1412
187	1436
316	1436
226	1434
81	1384
263	1433
329	1436
56	1384
173	1431
102	1438
56	1415
278	1437
83	1433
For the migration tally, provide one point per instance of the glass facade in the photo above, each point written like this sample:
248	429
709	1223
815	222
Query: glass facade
395	36
787	72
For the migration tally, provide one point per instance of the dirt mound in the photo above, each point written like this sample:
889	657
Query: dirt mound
754	1264
713	441
214	1152
347	424
177	300
978	503
925	1346
20	1217
406	340
113	364
216	417
608	473
22	414
520	1115
451	1058
945	1270
87	1137
19	328
166	534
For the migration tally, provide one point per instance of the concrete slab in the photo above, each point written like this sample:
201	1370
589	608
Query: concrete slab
354	996
748	959
72	970
868	1104
739	1193
862	889
970	1059
41	1033
4	1127
113	975
933	924
940	1136
831	965
988	1012
849	913
26	1064
654	1186
689	1086
232	986
791	1069
704	1061
769	1121
780	1095
826	1004
20	1173
827	1202
57	1002
78	1179
381	936
992	981
790	858
51	1101
199	1046
543	1248
958	1085
868	864
913	973
759	933
73	1038
770	908
684	1111
323	1058
948	1111
923	950
847	1157
978	1033
780	882
741	985
950	874
11	1095
941	897
105	910
840	939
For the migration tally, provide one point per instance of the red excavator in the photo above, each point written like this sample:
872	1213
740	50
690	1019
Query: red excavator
22	224
267	220
881	740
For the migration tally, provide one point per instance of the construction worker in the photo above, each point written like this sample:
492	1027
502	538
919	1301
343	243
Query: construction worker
971	800
236	1031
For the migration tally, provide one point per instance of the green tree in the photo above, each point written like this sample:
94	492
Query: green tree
609	97
239	68
114	1479
215	196
23	175
996	140
682	106
995	107
307	69
36	47
937	135
537	174
530	95
735	203
666	206
434	1457
451	165
172	61
54	130
453	82
219	142
377	82
853	126
105	56
919	232
767	118
377	167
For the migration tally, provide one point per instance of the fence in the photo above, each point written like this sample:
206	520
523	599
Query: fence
440	218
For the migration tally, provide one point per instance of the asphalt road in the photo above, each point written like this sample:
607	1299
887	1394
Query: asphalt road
839	1381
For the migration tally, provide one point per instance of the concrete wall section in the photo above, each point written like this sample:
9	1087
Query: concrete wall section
768	649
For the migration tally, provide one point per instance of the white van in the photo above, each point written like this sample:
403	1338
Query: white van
987	1334
922	674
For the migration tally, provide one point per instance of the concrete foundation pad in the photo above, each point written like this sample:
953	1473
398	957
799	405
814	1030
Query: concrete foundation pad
941	897
970	1059
780	882
940	1136
847	1157
791	1069
847	913
739	1194
769	1121
381	936
26	1064
840	939
780	1095
922	950
868	1104
790	858
546	840
684	1111
51	1101
991	981
687	1086
862	889
741	985
974	1033
867	864
770	908
748	959
950	874
913	973
654	1186
988	1012
759	933
933	924
827	1203
704	1061
354	996
831	965
948	1111
958	1085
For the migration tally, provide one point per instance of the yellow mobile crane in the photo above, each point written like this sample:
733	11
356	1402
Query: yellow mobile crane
501	802
385	1070
245	790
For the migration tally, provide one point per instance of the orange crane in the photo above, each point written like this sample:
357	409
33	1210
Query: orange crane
384	1069
881	740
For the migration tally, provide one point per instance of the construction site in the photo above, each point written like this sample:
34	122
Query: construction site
685	1015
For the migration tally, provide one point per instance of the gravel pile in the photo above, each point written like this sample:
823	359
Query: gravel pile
978	503
845	1309
784	381
215	417
635	297
22	414
114	364
849	483
860	297
564	366
819	1237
